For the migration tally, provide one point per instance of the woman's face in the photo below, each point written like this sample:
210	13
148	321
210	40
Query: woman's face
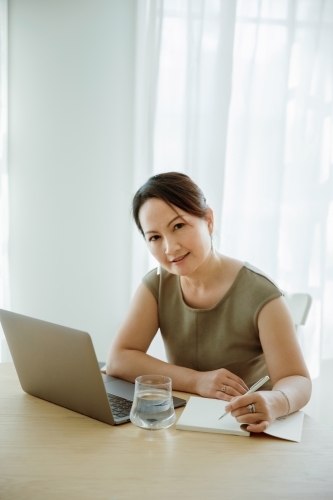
180	242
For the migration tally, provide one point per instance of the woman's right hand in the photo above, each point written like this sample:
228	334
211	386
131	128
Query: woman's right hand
220	384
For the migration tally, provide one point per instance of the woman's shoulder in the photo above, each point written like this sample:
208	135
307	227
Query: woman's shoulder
257	287
153	279
249	280
152	275
233	266
259	275
253	290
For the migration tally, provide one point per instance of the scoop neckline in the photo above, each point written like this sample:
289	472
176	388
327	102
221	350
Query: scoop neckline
234	283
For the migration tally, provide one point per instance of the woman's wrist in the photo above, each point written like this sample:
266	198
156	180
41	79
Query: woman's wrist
183	379
284	403
194	382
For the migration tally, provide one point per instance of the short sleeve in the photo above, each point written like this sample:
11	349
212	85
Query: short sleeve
152	281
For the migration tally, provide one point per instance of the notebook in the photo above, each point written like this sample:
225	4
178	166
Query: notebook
59	364
202	414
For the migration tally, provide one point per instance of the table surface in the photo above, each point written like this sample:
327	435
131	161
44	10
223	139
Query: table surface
49	452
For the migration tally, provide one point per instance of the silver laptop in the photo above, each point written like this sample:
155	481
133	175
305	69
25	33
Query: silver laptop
59	364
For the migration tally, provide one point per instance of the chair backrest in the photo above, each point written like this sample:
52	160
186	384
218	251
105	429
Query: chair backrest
299	305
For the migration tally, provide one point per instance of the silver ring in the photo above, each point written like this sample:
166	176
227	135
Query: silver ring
251	408
224	388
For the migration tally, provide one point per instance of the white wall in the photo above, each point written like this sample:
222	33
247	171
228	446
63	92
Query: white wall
71	69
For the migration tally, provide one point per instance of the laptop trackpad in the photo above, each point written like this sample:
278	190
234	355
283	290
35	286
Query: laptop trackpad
119	388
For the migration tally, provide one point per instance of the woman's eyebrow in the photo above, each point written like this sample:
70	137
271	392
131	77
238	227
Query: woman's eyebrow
172	220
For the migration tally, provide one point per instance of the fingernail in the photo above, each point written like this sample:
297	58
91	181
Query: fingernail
227	407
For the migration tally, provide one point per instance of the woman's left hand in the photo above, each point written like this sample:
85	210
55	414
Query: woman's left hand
264	406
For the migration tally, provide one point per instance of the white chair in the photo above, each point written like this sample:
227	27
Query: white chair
299	305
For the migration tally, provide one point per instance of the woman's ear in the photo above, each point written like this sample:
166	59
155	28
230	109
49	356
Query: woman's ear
209	217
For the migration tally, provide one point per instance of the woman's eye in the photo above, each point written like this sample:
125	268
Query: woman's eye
154	238
179	226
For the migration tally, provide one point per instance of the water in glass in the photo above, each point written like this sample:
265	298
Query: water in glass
153	404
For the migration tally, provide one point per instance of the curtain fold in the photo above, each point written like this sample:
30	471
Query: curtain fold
242	101
4	204
279	155
148	42
194	90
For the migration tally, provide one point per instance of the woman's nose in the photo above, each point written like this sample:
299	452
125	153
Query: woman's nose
171	245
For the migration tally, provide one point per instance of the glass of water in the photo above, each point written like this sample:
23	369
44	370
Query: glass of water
153	404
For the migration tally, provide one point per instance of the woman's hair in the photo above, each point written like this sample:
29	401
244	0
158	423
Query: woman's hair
175	189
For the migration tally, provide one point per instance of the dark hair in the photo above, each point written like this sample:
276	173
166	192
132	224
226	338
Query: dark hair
175	189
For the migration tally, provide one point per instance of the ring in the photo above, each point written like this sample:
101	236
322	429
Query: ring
251	408
224	388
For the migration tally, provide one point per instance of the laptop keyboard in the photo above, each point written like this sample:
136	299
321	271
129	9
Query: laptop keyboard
120	407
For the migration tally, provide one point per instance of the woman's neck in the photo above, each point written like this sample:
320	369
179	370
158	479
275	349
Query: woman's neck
204	277
206	288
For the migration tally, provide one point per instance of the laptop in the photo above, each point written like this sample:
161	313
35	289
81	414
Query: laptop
59	364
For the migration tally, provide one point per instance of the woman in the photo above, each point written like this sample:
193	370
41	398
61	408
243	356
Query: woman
224	323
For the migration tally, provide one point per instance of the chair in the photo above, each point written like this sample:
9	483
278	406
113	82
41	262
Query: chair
299	305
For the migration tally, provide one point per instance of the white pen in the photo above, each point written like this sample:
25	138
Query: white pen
255	386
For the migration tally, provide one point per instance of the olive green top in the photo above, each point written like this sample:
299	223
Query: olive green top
225	336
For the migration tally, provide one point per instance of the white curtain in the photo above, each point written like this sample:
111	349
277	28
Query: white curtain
240	98
148	41
4	278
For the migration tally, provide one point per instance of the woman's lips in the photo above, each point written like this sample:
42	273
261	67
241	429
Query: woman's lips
181	259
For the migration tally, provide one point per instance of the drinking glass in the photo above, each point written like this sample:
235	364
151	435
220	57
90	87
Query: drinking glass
153	404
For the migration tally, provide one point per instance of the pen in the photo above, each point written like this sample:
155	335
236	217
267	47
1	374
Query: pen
255	386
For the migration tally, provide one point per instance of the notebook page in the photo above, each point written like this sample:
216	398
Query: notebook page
202	414
289	428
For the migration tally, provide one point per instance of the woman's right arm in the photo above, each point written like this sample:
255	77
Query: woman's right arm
127	358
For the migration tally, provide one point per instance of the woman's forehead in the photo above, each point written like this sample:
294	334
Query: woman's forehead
157	211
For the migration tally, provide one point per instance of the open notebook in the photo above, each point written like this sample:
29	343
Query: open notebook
202	414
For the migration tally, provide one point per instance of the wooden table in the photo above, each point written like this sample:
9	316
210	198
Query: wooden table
48	452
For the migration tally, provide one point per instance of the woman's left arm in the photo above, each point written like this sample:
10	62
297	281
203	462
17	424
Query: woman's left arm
286	368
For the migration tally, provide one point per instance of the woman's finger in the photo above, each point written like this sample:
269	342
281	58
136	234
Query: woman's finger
223	396
236	381
230	390
246	417
258	427
246	400
238	389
